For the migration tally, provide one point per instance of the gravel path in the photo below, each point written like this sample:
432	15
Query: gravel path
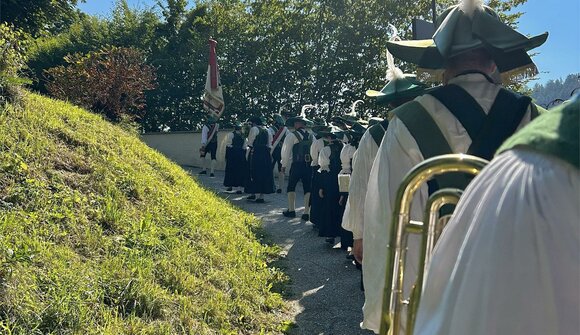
324	287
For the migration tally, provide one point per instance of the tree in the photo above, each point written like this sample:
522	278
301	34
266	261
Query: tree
39	16
273	54
111	81
12	62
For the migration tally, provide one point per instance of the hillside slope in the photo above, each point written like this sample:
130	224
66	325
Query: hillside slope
101	235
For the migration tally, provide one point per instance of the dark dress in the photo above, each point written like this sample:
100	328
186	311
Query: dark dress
330	218
261	176
315	200
236	165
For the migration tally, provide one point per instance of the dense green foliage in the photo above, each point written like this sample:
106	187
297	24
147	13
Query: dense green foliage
111	81
39	16
12	62
273	54
101	235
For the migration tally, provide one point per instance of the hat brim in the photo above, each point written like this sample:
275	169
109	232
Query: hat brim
290	121
401	88
424	53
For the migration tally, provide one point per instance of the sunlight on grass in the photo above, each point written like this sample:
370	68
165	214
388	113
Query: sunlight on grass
101	235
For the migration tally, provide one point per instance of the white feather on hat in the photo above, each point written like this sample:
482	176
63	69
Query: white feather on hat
393	72
469	6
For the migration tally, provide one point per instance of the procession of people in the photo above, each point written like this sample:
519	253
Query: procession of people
508	261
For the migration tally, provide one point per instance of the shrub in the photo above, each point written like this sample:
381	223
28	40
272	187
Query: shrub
111	81
12	61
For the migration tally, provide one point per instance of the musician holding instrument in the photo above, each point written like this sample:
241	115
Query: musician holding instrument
209	144
471	114
509	260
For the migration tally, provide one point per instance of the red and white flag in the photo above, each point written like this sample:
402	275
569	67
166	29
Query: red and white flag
213	97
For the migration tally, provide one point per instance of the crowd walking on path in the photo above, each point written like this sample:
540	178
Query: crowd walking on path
507	261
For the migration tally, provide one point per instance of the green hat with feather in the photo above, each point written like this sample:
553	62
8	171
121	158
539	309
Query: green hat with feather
466	27
400	85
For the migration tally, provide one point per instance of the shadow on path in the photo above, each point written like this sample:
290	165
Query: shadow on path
324	287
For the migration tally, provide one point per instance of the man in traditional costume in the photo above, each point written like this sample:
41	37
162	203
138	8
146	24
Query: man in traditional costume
278	130
401	88
209	144
261	176
236	166
470	114
296	159
509	260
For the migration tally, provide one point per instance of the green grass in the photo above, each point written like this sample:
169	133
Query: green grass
101	235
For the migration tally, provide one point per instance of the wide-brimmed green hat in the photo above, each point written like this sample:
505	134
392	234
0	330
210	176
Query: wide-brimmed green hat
466	27
345	119
398	88
291	120
320	128
319	121
333	132
374	120
257	120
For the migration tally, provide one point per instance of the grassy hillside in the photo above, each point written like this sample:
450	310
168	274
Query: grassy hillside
101	235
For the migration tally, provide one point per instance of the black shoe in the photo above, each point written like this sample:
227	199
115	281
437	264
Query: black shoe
229	189
260	201
203	172
350	256
289	214
279	190
305	217
329	240
239	192
211	175
251	197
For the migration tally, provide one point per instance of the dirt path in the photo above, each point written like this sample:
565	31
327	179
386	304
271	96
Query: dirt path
325	286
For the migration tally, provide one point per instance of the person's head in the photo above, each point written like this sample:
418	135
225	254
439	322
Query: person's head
299	124
255	121
473	60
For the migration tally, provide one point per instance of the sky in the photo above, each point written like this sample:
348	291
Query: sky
557	58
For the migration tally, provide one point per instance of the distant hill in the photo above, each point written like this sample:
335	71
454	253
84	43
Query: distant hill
556	89
99	234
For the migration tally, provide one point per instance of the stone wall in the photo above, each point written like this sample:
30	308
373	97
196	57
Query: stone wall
183	147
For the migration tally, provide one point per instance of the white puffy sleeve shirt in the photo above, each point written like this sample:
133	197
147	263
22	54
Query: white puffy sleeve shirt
509	260
204	134
254	131
397	155
346	155
229	139
287	146
324	158
317	145
362	162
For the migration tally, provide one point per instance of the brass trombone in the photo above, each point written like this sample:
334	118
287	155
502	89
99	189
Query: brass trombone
430	228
